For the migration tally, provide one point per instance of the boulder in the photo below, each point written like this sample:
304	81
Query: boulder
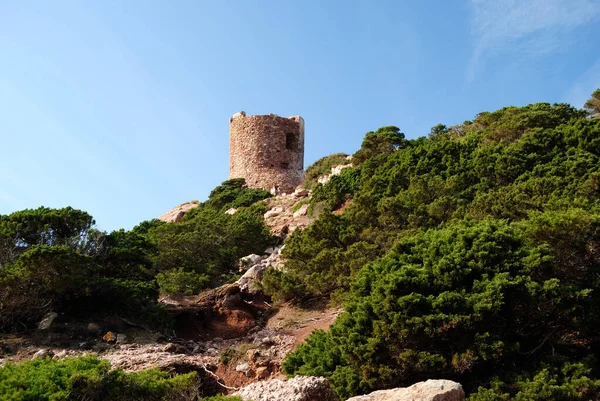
46	322
299	388
179	216
271	250
431	390
60	355
248	261
276	211
301	193
248	280
323	179
337	170
242	367
43	353
302	211
231	211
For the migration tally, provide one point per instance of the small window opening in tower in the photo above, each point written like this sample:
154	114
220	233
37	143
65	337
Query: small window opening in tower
285	165
291	141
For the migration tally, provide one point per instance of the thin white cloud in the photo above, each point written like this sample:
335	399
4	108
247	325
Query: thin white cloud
532	27
584	86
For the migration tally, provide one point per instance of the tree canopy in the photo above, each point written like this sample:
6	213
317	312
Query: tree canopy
470	255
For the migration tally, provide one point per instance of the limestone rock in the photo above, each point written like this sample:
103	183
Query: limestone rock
431	390
302	211
176	214
323	179
248	261
297	389
46	322
43	353
231	211
337	170
60	354
242	367
276	211
247	282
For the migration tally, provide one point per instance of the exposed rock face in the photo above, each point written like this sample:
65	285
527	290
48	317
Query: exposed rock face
267	150
297	389
176	214
431	390
337	170
302	211
280	217
248	261
47	320
259	264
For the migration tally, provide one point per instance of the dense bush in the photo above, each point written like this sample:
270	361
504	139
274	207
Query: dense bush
55	260
178	281
230	194
209	243
89	378
471	255
339	188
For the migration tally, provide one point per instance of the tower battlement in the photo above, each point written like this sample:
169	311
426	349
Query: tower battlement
267	150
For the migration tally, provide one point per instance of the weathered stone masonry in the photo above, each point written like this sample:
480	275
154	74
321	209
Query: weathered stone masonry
268	151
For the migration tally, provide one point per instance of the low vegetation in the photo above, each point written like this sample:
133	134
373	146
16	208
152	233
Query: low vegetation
55	260
471	255
89	378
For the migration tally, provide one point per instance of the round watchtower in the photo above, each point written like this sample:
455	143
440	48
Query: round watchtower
267	151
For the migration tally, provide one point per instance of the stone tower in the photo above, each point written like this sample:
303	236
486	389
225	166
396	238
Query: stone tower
268	151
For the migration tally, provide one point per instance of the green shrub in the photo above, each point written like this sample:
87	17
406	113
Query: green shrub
179	282
337	190
209	243
43	278
471	256
89	378
232	194
283	286
568	382
463	302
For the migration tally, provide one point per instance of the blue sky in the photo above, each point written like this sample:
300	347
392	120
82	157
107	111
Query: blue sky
121	108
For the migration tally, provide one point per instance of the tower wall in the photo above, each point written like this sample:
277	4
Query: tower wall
267	150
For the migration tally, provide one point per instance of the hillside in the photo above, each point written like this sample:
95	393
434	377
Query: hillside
471	255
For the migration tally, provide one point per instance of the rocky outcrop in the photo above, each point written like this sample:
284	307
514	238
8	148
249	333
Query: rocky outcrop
176	214
258	266
336	170
430	390
281	217
297	389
